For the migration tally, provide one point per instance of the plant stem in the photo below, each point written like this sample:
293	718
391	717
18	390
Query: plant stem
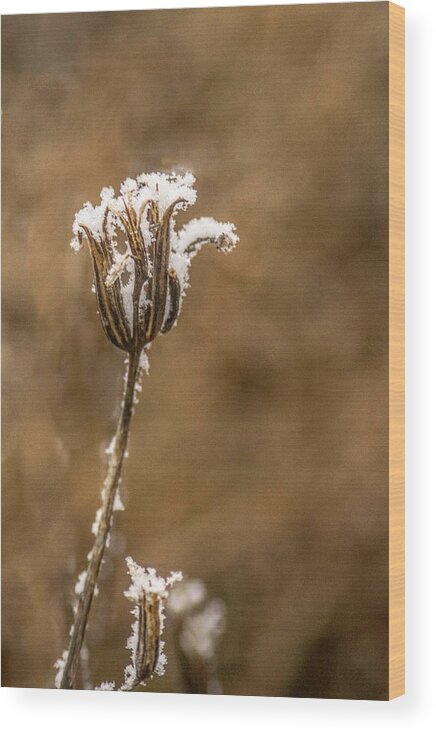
104	524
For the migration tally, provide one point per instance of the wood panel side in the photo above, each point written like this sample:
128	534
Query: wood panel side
396	354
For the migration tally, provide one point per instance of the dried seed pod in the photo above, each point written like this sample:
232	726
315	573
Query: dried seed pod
146	654
139	290
149	592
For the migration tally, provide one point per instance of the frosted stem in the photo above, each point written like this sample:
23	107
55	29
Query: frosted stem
104	524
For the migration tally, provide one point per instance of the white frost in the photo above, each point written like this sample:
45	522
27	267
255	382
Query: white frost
106	686
144	363
111	447
60	665
118	504
94	527
148	581
205	230
80	584
165	189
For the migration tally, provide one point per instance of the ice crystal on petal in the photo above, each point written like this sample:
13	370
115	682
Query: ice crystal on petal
106	686
148	581
205	230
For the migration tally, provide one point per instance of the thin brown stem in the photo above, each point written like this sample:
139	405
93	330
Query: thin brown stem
104	524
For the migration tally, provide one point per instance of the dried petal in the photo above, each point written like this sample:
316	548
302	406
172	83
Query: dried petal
174	292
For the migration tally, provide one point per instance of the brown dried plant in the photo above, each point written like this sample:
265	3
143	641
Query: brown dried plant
139	284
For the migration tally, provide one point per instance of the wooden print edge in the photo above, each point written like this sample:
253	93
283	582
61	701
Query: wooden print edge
396	354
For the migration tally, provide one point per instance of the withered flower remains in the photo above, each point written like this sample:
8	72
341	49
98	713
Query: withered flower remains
148	592
141	272
141	263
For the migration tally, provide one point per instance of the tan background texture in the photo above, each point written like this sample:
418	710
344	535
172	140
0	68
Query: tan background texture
259	453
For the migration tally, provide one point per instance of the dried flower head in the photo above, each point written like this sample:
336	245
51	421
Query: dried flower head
141	263
148	591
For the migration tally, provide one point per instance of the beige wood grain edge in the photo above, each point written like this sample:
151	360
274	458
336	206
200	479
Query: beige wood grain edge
396	354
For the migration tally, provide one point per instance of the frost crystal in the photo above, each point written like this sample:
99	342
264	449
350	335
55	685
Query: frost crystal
106	686
94	527
118	504
80	584
147	581
144	363
110	448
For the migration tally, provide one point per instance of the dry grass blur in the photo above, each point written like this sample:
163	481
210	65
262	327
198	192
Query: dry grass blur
258	459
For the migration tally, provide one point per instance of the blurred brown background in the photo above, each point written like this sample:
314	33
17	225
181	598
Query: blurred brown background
258	459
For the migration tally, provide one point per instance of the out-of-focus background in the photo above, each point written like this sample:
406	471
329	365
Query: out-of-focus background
258	457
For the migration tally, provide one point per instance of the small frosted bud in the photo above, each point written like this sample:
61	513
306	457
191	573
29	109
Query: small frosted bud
148	592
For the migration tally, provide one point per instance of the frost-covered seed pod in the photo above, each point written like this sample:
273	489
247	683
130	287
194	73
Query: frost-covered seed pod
149	592
139	290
